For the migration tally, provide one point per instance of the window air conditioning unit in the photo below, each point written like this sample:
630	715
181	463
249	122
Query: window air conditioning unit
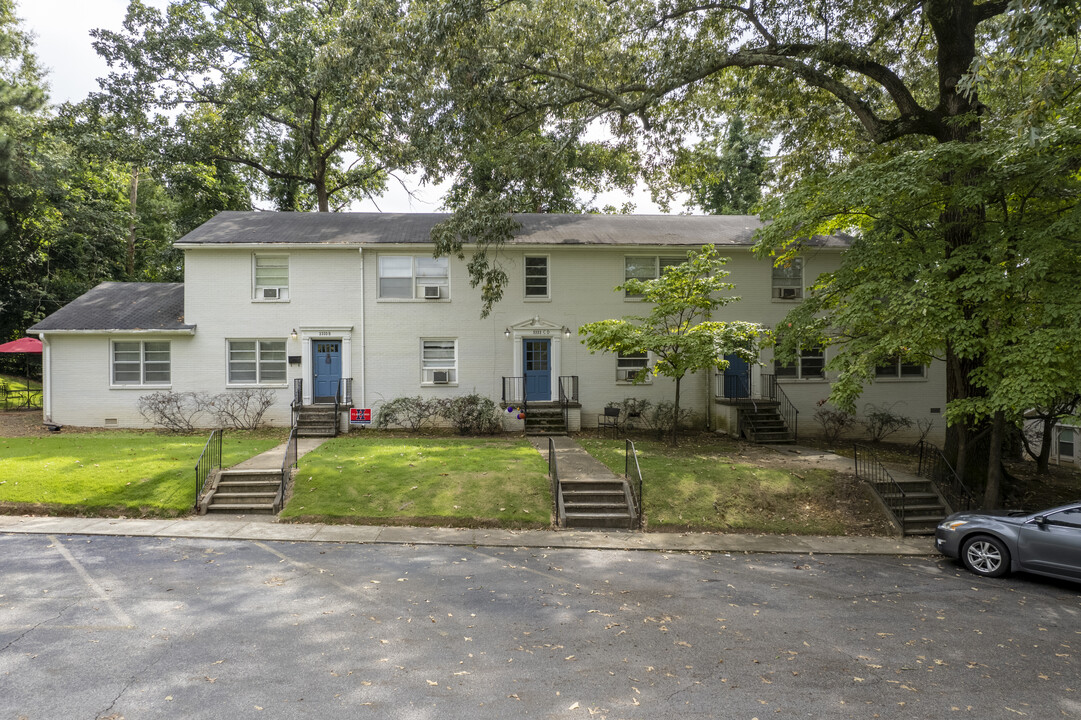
431	292
271	293
789	293
441	377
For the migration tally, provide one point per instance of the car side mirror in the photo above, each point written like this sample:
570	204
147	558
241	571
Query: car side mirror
1039	520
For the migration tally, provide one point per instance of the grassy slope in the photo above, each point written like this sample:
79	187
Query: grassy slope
698	485
444	481
147	473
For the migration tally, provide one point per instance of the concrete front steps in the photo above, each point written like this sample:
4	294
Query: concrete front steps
597	503
763	424
924	507
545	418
317	421
244	491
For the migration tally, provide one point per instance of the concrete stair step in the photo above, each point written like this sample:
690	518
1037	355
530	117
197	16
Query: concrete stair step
598	520
243	498
250	508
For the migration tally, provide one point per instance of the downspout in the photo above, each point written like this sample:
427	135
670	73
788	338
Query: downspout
363	332
46	379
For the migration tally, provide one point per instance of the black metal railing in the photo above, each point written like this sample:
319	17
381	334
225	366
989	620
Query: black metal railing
343	397
633	472
209	460
735	386
298	400
514	392
288	463
935	467
788	411
568	393
559	512
875	474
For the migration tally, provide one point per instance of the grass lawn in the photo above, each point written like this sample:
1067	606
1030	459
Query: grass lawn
130	473
450	481
702	485
15	395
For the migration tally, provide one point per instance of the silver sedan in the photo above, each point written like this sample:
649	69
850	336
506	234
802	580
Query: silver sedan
995	543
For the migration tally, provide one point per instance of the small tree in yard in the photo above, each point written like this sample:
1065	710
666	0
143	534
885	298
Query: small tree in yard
678	331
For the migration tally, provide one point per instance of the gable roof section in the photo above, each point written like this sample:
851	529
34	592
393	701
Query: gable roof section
121	307
359	229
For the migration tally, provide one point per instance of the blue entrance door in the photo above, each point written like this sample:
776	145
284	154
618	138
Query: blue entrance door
326	370
537	368
737	377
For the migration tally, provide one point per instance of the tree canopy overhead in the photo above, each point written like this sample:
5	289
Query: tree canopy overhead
941	134
310	97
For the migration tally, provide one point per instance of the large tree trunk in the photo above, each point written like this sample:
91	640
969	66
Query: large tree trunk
992	496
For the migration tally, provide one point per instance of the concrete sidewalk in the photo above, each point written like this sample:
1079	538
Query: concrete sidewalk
251	528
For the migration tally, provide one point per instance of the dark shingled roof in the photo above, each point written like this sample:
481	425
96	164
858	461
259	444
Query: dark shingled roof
270	228
121	306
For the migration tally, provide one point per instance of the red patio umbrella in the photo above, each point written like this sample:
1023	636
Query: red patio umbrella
26	346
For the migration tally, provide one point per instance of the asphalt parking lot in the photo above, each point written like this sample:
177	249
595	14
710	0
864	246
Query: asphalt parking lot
116	627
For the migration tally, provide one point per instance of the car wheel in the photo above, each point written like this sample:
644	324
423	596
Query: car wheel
986	556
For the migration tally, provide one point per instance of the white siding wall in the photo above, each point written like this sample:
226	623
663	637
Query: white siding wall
334	292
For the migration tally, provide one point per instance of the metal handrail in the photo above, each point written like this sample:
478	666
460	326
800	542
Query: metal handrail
343	396
789	412
635	482
935	467
514	392
298	400
568	393
288	463
212	456
888	490
557	490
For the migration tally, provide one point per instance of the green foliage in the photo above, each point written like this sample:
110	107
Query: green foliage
833	422
412	413
471	414
881	421
724	175
678	332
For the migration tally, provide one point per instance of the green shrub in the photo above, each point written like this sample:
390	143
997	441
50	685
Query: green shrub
471	414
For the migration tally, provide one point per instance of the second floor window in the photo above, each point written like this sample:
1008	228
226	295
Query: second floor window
536	277
271	277
647	267
408	277
788	280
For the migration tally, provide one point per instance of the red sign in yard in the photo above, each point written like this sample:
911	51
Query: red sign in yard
360	416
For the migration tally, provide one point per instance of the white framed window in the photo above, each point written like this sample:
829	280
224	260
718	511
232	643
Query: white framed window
1066	440
408	277
270	277
630	366
647	267
897	369
256	362
788	280
810	365
536	277
439	362
142	362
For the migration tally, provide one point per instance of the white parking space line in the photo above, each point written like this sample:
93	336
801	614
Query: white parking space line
120	615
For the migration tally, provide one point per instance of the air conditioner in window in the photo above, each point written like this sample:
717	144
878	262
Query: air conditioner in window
271	293
788	293
431	292
441	377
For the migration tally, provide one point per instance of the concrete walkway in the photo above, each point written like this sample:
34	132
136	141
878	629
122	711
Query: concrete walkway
574	462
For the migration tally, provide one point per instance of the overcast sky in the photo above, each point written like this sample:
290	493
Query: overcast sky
63	45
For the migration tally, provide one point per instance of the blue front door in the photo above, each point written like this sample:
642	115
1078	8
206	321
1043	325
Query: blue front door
326	370
537	368
737	377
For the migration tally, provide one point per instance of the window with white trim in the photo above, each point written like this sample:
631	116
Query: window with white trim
1066	437
408	277
788	280
631	366
256	362
270	275
142	362
898	369
647	267
439	362
536	277
810	365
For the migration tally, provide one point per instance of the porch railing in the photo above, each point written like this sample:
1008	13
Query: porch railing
935	467
514	392
298	400
568	393
633	472
343	397
209	460
888	491
558	509
740	387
